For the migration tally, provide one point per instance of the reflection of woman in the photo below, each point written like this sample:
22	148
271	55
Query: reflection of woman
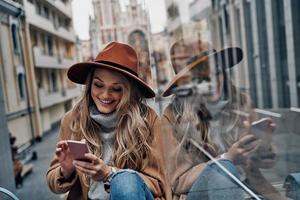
212	113
121	133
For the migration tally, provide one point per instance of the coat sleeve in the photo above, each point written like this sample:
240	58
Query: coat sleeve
56	181
154	174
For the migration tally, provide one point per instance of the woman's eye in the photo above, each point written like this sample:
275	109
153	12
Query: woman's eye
98	85
117	89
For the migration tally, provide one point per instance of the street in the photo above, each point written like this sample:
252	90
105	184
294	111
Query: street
34	184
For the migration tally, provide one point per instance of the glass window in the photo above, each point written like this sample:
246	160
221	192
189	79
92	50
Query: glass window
15	38
22	85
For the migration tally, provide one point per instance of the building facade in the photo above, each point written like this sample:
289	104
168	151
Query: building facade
15	105
52	50
268	32
17	77
37	50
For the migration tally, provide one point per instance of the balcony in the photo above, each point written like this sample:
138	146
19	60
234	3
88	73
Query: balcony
46	61
40	22
66	9
47	99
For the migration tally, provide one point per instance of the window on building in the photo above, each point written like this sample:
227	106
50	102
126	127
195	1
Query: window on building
34	38
15	38
38	8
67	24
50	45
39	77
46	12
68	50
43	43
22	85
53	85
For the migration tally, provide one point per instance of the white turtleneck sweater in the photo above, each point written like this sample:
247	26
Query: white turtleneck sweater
107	124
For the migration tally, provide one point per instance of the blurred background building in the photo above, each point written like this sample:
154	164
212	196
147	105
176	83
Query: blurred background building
52	43
15	105
268	33
127	23
37	47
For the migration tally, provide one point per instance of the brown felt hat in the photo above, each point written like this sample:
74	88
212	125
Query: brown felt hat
115	56
227	58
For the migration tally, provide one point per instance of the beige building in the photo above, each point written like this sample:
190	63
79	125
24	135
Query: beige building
16	111
36	52
52	47
17	78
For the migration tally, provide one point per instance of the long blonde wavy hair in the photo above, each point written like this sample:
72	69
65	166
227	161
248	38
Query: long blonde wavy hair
192	121
133	136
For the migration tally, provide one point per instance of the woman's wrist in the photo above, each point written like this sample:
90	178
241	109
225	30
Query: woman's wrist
225	156
109	174
66	173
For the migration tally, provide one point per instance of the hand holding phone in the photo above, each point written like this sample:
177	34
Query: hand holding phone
78	149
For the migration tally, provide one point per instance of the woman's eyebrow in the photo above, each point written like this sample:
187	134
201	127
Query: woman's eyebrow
98	79
115	83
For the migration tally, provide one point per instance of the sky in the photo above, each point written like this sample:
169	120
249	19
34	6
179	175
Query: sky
83	9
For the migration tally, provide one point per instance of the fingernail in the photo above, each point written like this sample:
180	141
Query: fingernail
74	162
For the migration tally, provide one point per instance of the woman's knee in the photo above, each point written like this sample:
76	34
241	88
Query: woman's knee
126	184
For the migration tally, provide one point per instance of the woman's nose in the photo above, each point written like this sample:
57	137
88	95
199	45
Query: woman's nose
106	93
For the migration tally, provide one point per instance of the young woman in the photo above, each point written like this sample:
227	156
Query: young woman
121	132
209	116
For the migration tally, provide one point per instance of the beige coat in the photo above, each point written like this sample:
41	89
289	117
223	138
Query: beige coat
153	176
183	169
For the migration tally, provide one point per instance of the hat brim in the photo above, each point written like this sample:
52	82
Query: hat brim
78	73
229	56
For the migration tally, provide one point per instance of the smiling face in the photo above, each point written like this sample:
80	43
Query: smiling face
107	89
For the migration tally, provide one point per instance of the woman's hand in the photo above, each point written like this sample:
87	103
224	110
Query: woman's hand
65	158
96	168
265	156
240	152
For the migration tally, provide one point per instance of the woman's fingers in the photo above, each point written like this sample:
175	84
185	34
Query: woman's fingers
246	140
62	144
95	160
95	171
86	171
58	151
83	164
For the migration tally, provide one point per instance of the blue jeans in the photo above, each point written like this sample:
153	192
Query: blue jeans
127	184
214	184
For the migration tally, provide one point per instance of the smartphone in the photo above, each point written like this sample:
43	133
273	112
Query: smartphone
78	149
259	127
